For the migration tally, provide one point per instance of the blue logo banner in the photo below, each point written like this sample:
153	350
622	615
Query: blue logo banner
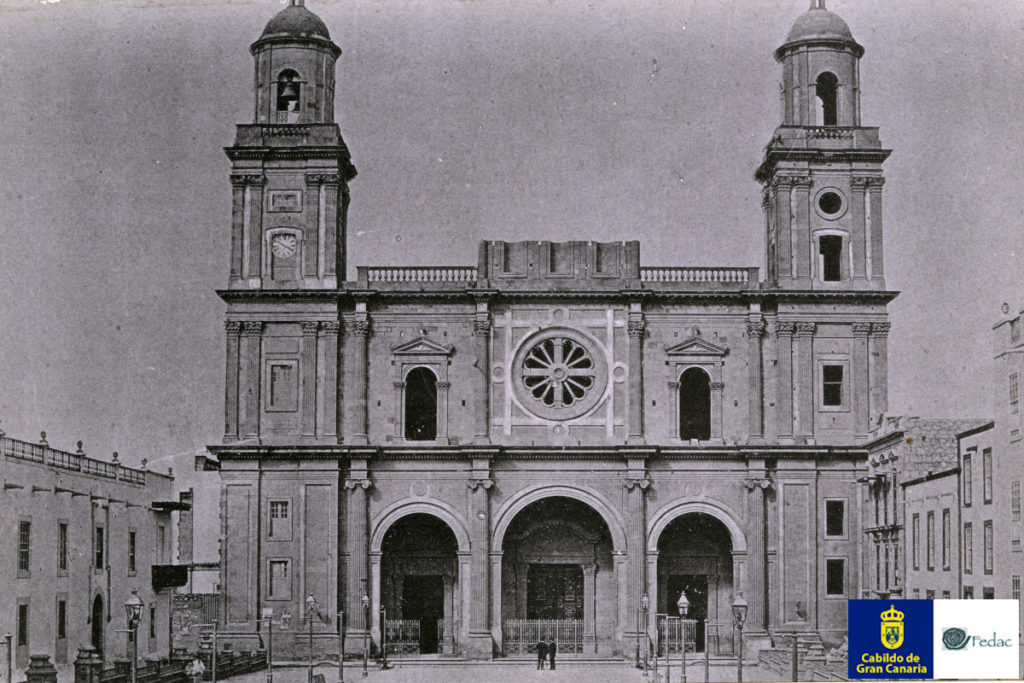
891	639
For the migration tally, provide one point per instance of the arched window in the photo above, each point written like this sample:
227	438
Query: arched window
830	253
420	405
827	85
694	405
288	90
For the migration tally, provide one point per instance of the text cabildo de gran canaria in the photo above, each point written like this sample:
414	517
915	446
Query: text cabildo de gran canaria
890	663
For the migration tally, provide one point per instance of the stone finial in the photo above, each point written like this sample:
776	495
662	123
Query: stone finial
144	461
42	439
2	432
80	451
115	458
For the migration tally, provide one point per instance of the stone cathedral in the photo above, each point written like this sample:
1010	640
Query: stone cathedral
466	458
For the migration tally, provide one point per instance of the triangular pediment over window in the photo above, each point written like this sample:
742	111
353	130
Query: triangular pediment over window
421	347
696	346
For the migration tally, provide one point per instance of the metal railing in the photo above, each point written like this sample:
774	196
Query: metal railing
698	275
76	462
671	633
520	636
403	636
421	274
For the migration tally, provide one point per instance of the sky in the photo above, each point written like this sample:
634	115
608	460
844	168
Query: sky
469	120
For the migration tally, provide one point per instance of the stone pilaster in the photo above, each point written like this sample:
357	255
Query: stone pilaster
237	225
874	202
803	353
636	542
589	606
801	225
252	333
878	349
314	229
328	355
860	383
482	389
335	194
307	358
636	328
755	330
861	237
757	564
782	187
231	407
784	386
357	547
356	397
480	645
253	210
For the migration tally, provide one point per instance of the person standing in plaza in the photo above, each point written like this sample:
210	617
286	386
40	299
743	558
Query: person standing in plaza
552	650
542	652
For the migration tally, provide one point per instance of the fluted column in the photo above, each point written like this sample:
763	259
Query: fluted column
636	328
480	643
254	224
356	398
237	225
782	188
231	408
307	358
801	223
328	355
756	584
784	386
803	353
482	348
861	236
755	330
251	336
878	348
636	543
860	382
313	232
874	209
357	548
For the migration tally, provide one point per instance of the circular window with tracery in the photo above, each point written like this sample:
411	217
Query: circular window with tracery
559	374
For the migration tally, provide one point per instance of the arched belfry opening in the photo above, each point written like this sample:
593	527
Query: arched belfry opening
827	89
420	405
289	91
420	586
694	405
558	579
695	557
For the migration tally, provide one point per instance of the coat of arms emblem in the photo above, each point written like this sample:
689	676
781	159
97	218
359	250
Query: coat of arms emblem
892	628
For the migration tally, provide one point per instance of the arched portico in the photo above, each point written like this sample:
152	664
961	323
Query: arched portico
515	504
401	562
719	511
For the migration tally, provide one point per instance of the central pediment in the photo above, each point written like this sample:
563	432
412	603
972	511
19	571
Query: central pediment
421	347
696	346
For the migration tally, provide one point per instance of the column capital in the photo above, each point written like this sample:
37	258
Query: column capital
717	386
361	483
322	179
233	327
636	328
359	328
861	329
875	183
331	327
785	328
443	385
632	483
309	327
805	329
481	328
243	179
252	328
398	385
755	329
880	329
762	483
474	484
674	386
589	569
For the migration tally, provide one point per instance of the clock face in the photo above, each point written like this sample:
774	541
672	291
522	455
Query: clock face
283	246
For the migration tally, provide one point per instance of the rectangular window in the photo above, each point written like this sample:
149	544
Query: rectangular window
62	546
835	518
835	577
945	595
280	526
916	539
929	595
988	547
986	473
988	593
22	625
282	385
945	539
1015	587
832	385
24	547
62	619
968	548
152	622
131	552
968	480
968	592
1014	394
830	249
98	560
930	530
917	593
279	584
161	543
1015	499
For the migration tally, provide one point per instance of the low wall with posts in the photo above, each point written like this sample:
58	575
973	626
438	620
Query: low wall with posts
89	668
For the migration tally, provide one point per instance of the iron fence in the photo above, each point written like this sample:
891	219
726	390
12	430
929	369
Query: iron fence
520	636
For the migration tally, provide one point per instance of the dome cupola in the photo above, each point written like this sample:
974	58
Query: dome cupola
295	21
819	26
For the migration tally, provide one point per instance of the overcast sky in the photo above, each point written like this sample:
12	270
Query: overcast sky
482	119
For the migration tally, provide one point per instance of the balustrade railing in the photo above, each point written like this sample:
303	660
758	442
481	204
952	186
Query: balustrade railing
520	636
831	132
421	274
76	462
698	275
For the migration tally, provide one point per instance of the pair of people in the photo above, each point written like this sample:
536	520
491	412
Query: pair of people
195	669
546	650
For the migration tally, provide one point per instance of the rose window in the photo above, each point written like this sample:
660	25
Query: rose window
560	374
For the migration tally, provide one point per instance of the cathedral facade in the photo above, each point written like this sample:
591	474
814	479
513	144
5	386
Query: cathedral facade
465	458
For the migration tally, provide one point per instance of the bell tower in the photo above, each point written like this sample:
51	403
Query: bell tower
290	167
822	170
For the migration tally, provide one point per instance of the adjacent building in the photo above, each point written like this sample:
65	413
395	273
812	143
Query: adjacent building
460	454
79	534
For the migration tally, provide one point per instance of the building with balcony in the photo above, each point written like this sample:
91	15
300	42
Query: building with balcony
464	456
80	534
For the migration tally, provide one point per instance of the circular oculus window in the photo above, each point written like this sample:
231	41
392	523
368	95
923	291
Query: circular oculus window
559	374
830	203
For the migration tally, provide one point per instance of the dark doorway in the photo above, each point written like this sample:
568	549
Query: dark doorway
97	625
423	599
554	591
694	405
421	405
696	587
826	87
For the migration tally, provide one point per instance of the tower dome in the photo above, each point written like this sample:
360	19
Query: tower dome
295	21
818	24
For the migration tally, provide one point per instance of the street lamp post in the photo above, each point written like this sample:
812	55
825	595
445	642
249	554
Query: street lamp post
133	611
684	607
268	614
312	610
366	631
739	615
341	647
383	638
645	604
